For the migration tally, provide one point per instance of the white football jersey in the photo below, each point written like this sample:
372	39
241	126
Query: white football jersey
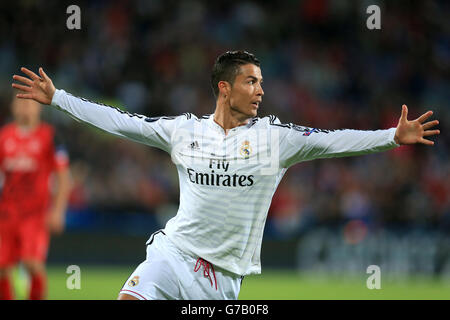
226	180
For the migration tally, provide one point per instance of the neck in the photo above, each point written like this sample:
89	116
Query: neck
228	118
27	126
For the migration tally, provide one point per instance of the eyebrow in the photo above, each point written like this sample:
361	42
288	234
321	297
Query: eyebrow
254	78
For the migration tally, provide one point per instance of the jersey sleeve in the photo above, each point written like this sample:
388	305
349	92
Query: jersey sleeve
156	132
298	143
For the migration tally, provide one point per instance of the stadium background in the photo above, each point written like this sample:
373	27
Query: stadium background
330	219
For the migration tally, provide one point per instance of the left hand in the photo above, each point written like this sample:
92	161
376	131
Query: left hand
414	131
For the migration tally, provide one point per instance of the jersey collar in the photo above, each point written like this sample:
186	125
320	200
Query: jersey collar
216	127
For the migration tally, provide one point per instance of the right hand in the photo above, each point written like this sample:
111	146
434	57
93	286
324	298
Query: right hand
40	89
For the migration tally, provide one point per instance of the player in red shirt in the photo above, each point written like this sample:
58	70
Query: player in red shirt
28	213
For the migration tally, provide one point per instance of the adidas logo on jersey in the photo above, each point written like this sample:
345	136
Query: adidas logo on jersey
194	145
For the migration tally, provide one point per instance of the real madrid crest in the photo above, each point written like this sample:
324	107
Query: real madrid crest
246	150
134	282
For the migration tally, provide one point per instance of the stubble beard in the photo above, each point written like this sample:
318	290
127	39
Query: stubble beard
242	114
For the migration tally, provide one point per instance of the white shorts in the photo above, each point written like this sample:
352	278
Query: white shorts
170	274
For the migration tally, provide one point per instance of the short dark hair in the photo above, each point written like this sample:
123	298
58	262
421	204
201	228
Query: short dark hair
227	67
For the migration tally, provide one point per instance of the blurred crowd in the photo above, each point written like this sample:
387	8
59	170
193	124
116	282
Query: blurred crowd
322	68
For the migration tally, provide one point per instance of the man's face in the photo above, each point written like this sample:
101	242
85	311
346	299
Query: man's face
246	92
25	111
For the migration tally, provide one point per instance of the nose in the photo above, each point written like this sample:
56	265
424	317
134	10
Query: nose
260	92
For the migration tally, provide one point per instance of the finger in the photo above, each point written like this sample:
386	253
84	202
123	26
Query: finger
431	133
43	74
23	80
426	142
404	115
30	73
21	87
430	124
425	116
24	95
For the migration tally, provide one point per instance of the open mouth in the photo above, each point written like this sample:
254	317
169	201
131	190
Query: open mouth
255	104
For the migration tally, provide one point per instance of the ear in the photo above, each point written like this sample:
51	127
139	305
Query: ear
224	88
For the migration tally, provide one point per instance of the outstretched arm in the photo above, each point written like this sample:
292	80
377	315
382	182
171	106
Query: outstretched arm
303	144
110	119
